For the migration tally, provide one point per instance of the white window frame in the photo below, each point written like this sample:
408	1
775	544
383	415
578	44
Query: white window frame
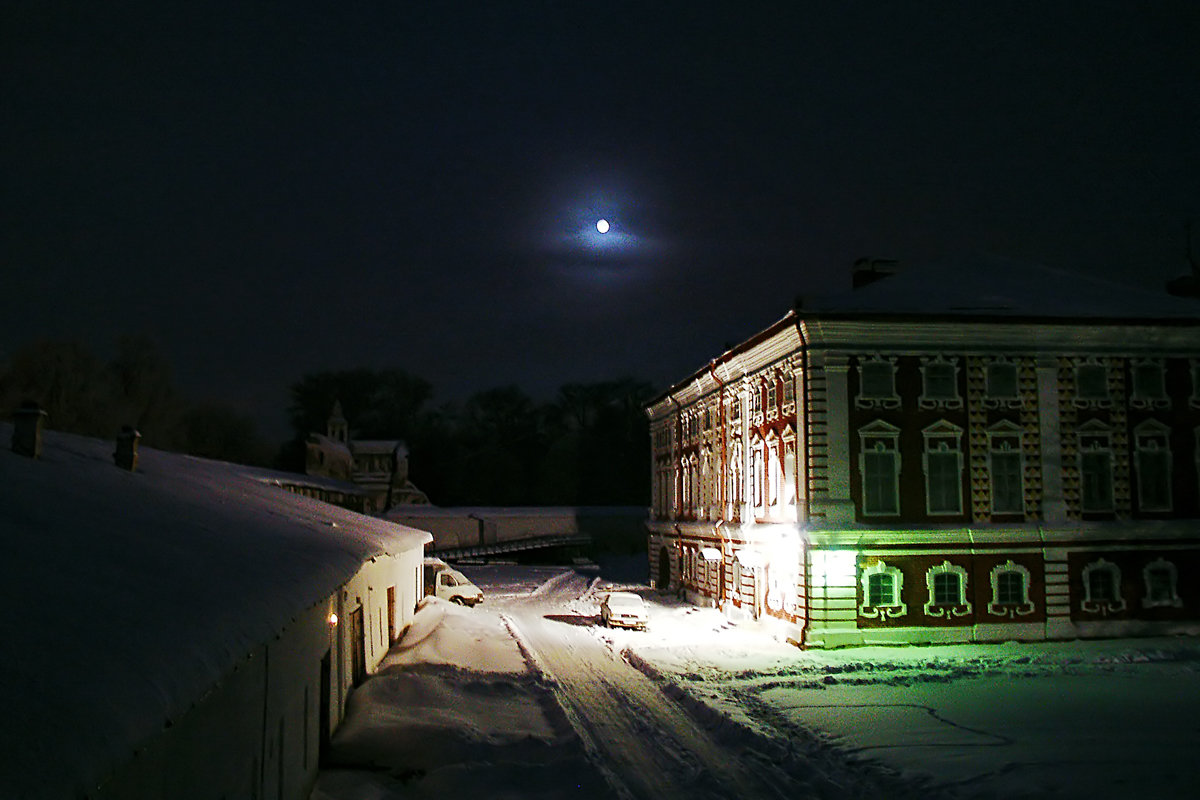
1139	396
1012	610
897	608
1100	437
889	400
934	609
1146	437
1103	400
876	437
1174	601
1097	606
930	400
942	438
1002	433
994	398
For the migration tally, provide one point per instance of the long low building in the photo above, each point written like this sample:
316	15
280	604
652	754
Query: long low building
977	450
184	629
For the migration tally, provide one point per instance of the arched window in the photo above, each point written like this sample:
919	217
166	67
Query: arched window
1010	590
881	592
947	585
1161	580
943	464
1095	467
1102	588
1006	468
879	467
1152	440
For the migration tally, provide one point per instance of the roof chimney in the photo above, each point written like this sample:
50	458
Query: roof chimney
869	270
28	421
126	455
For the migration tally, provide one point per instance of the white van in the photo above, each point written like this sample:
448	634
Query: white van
442	580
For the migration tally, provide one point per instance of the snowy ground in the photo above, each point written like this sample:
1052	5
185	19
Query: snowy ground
526	696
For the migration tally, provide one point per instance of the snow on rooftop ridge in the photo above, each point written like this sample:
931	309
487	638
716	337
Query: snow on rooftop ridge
991	285
131	594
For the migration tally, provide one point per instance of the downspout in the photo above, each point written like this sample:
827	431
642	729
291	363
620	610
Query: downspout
802	474
712	369
676	456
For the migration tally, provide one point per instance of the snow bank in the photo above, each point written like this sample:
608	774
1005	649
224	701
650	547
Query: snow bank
455	710
470	640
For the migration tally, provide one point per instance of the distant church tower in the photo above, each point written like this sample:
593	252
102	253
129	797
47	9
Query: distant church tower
337	428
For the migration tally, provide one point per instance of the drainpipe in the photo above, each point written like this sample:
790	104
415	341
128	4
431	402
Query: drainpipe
802	473
712	370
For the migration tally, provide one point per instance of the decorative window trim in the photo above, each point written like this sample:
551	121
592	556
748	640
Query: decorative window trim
1006	429
897	607
1174	601
891	401
1145	437
928	401
939	433
772	397
948	610
1091	362
1095	429
879	432
1140	399
1103	607
1010	610
993	400
788	402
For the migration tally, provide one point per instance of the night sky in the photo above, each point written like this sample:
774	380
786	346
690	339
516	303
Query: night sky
270	189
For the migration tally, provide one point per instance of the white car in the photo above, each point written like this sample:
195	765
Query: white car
624	609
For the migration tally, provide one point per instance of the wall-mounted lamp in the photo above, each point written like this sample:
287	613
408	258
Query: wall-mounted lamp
333	620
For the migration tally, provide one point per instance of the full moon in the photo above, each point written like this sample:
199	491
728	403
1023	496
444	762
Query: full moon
602	226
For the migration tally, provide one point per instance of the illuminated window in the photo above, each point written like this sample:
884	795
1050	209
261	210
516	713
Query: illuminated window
1091	383
939	378
881	590
879	467
1149	384
881	586
1161	579
943	468
1010	590
877	383
1153	464
1095	467
947	585
1006	469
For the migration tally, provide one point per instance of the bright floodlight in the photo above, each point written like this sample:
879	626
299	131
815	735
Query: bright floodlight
602	226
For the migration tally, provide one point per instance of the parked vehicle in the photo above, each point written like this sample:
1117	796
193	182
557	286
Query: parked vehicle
442	580
624	609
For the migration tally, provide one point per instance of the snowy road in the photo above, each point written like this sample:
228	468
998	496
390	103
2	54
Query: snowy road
644	744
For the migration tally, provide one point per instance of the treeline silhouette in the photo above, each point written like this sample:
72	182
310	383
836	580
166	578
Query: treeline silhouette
589	445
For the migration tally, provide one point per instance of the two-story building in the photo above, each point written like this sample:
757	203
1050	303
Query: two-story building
979	450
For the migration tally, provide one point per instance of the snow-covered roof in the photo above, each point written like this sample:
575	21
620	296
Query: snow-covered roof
128	595
986	285
375	446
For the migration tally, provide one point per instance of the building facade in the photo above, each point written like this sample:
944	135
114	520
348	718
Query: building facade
935	459
378	466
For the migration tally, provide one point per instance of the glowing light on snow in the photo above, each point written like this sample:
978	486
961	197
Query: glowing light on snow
602	226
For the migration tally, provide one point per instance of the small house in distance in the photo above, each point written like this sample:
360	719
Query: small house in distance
184	629
978	450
